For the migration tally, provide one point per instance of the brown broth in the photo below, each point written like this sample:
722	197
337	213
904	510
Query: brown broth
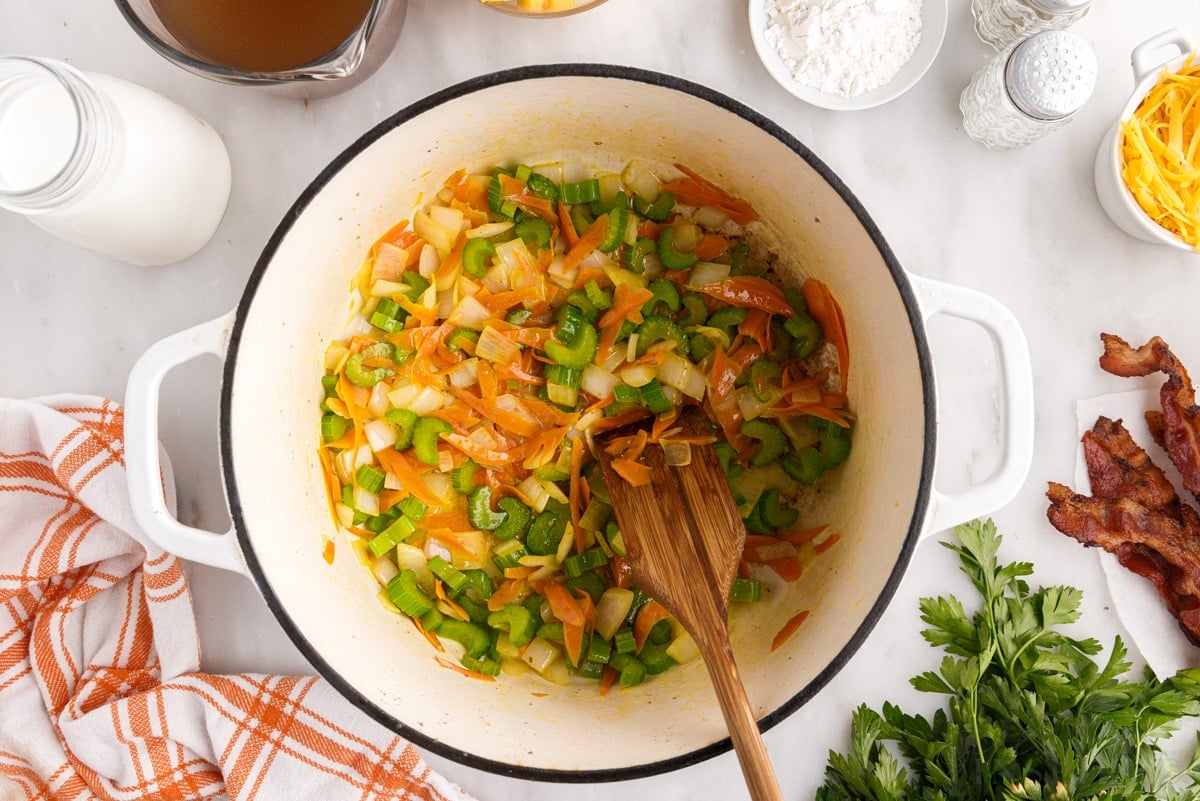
261	35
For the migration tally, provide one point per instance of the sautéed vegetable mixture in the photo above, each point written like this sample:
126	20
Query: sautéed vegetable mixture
523	312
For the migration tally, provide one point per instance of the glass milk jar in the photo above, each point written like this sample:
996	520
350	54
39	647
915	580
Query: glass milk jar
106	164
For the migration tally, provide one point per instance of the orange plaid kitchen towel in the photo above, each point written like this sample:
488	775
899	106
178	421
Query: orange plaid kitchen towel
100	690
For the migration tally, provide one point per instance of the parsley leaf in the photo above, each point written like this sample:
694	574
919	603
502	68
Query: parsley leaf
1030	715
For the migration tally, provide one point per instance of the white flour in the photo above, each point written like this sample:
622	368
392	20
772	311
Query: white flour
844	47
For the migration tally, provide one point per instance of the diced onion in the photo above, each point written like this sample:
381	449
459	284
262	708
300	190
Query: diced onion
559	274
489	230
410	557
514	254
366	502
539	654
380	434
387	289
681	374
588	420
334	354
438	484
464	374
435	547
428	263
710	216
390	262
532	490
638	375
597	381
495	347
653	266
676	454
345	515
707	272
347	462
377	403
432	232
612	610
428	400
683	648
749	404
469	313
641	180
610	184
449	218
384	570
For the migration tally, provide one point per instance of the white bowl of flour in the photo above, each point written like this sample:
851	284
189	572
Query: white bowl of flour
847	54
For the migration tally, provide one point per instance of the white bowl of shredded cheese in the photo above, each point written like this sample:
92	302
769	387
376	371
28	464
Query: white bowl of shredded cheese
1142	173
847	54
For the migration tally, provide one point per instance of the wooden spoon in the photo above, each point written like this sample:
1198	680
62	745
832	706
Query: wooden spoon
684	538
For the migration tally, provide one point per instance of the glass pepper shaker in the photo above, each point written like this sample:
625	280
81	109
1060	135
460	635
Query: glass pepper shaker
1027	91
1001	23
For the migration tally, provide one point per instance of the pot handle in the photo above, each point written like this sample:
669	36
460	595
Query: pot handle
1016	395
142	455
1143	60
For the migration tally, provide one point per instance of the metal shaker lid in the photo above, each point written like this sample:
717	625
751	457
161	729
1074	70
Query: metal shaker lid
1051	75
1059	6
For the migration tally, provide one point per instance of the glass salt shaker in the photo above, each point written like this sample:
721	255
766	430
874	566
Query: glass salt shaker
1029	90
1001	23
108	165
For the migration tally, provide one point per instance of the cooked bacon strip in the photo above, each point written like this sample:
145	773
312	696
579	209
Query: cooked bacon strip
1180	416
1119	468
1156	545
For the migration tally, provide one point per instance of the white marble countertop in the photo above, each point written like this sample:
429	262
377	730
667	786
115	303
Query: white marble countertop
1023	226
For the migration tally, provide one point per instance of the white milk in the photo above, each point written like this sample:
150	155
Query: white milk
158	196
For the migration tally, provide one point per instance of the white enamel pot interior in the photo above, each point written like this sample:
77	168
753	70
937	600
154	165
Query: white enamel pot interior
297	301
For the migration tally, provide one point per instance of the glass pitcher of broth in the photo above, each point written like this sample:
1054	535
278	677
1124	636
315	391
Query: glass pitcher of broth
304	47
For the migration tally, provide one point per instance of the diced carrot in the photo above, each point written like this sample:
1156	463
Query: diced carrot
451	263
651	230
787	567
825	309
587	243
762	549
327	552
433	640
452	541
636	473
650	613
563	604
710	247
566	226
440	591
608	677
540	450
573	642
628	447
757	328
722	376
452	519
825	544
509	592
508	420
622	418
503	301
662	423
627	305
699	191
396	463
488	457
471	674
789	628
801	537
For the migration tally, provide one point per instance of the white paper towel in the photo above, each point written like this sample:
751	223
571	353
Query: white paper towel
1155	632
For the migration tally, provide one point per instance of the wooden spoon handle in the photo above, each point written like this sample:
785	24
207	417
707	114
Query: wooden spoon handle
713	642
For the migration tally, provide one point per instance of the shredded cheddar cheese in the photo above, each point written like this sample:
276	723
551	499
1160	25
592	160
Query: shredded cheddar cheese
1160	153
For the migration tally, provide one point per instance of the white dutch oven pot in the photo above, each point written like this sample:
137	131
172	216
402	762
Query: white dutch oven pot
296	302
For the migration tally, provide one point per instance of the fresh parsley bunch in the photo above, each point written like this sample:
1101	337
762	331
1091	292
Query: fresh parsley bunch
1030	714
